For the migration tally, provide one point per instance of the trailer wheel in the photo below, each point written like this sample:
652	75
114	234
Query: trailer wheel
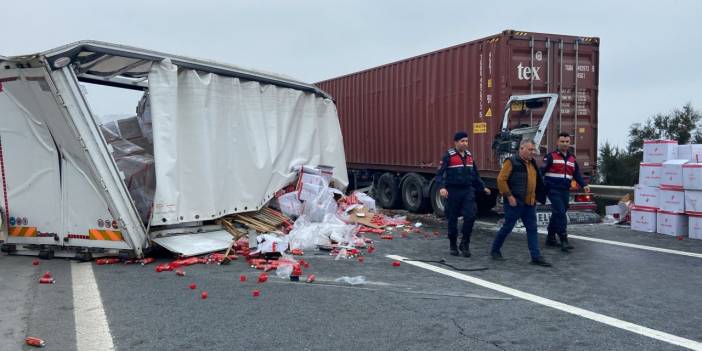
8	248
387	191
413	198
84	256
352	182
46	254
126	255
438	204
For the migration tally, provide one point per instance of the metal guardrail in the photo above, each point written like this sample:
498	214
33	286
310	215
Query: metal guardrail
611	192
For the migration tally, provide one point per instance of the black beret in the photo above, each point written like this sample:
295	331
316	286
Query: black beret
460	135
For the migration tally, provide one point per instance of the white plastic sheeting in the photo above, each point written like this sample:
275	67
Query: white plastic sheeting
223	145
196	244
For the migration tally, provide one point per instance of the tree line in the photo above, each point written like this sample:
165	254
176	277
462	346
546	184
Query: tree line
620	166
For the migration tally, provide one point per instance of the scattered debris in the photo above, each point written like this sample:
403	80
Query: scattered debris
103	261
36	342
296	273
256	221
297	252
306	215
357	280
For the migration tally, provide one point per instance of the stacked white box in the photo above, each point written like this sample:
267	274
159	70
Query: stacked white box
646	196
684	152
693	201
643	219
650	174
692	176
659	151
695	226
671	200
690	152
616	211
672	174
671	223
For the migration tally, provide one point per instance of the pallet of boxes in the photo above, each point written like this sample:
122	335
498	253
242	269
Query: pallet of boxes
668	198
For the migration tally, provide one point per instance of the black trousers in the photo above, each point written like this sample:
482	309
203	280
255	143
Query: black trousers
461	202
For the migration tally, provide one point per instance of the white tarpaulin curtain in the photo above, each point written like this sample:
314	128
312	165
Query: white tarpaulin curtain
222	145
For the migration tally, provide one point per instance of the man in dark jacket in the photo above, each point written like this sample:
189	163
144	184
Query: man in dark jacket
520	184
458	179
560	168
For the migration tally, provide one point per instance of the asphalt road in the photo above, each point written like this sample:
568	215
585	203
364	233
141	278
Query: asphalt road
397	308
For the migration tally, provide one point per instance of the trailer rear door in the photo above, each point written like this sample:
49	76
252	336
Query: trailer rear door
50	188
31	186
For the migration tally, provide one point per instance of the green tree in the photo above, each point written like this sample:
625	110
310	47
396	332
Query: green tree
621	166
616	166
681	125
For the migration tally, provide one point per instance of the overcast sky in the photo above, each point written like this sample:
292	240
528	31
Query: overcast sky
649	54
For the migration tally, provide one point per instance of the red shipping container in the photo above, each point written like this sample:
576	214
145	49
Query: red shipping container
401	117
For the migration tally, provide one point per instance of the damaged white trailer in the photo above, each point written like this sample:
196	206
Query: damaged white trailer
224	140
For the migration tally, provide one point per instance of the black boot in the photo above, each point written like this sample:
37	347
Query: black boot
453	249
551	239
564	242
540	261
567	244
465	247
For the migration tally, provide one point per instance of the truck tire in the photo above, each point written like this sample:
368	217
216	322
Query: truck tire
438	204
412	190
485	203
84	256
387	191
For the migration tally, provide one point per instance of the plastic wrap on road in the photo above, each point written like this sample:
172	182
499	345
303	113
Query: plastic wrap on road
306	235
271	243
357	280
366	200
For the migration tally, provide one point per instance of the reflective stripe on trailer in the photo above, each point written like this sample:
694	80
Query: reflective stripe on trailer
78	236
107	235
23	231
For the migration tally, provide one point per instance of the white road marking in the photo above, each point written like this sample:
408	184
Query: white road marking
617	323
635	246
612	242
92	330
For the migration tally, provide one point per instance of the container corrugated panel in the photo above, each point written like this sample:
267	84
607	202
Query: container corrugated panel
402	116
